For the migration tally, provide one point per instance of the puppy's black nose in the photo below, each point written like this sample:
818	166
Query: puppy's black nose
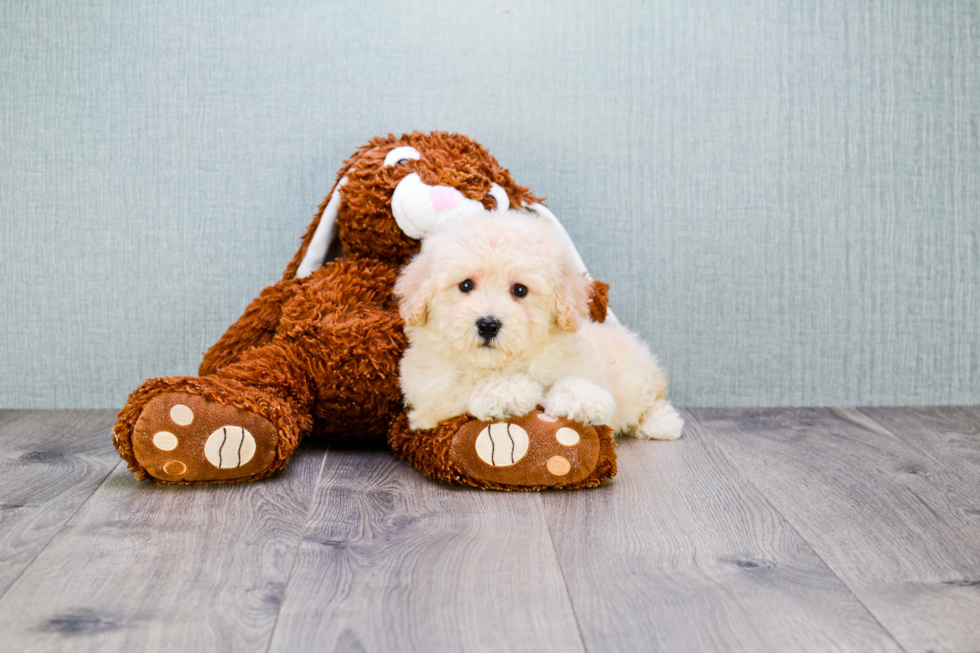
488	327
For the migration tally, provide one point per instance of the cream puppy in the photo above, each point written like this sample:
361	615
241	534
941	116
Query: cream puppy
497	320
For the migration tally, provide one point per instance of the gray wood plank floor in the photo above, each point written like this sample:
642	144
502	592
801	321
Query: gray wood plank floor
392	562
656	561
760	530
885	516
50	465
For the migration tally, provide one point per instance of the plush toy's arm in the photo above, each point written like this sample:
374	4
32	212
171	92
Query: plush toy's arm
254	328
342	284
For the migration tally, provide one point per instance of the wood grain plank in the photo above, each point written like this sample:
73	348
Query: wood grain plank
50	464
884	515
165	568
950	435
682	553
394	562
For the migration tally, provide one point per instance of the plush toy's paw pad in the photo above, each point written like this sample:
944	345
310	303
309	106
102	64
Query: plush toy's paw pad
534	450
183	437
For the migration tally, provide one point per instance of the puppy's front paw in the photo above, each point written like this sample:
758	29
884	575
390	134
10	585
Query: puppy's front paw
505	397
421	421
580	400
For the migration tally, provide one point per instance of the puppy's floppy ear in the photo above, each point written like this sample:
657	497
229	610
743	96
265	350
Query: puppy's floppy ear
572	295
545	212
414	289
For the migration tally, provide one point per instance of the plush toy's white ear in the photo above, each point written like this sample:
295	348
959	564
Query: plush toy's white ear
546	213
323	237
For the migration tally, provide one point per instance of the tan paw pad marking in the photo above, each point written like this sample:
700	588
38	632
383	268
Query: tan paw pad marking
545	417
165	441
502	444
175	467
566	436
559	465
229	447
181	414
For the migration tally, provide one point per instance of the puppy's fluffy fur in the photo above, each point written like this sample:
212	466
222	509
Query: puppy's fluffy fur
546	351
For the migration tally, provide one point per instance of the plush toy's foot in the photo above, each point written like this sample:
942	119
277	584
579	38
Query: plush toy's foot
533	452
195	434
183	437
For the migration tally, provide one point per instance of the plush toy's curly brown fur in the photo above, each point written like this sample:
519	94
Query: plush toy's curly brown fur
320	353
599	302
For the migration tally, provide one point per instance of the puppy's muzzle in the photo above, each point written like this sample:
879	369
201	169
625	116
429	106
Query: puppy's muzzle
488	328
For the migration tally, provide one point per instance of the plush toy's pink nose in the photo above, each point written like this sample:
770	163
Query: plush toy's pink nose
445	198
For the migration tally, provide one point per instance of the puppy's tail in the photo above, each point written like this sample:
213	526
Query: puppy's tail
662	422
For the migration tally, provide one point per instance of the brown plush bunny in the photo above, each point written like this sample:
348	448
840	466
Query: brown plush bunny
318	352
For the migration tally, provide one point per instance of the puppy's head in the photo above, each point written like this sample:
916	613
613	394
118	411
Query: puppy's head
493	288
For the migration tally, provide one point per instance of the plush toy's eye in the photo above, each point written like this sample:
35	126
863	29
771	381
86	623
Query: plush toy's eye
466	285
498	193
518	290
401	155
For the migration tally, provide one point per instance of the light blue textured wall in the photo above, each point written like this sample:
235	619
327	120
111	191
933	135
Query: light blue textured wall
785	196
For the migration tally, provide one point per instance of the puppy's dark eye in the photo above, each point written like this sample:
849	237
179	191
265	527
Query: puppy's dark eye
518	290
466	285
